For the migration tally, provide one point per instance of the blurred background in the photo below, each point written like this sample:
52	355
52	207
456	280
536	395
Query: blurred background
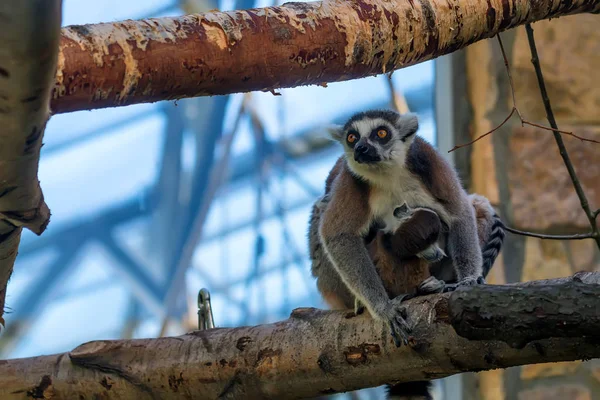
150	203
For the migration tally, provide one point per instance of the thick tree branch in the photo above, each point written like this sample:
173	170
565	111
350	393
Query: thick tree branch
106	65
570	310
316	352
28	58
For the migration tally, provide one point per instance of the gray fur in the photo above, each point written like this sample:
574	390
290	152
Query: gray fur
322	268
491	234
493	246
365	284
463	247
490	227
408	124
353	277
335	131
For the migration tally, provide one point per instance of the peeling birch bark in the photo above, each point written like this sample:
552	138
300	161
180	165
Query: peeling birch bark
213	53
28	58
314	352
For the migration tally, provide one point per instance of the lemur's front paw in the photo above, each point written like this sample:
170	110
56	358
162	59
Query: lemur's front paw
394	314
471	280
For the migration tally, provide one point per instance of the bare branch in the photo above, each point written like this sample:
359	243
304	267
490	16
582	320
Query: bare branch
213	53
485	134
559	141
559	131
510	79
551	237
516	109
334	350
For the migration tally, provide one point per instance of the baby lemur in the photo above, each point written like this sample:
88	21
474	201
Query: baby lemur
385	166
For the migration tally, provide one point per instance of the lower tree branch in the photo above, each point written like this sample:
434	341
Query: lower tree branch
570	310
318	352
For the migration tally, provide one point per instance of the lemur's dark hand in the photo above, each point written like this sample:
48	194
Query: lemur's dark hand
465	282
394	314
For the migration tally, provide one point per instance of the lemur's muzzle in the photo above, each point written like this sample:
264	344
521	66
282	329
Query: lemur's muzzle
364	153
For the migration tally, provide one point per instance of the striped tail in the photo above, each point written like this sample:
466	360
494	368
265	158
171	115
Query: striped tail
492	247
420	390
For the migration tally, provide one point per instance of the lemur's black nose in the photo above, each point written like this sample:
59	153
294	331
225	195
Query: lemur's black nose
362	149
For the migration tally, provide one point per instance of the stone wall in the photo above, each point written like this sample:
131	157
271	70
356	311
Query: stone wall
520	170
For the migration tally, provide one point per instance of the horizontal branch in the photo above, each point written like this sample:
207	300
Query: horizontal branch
214	53
576	236
318	352
570	310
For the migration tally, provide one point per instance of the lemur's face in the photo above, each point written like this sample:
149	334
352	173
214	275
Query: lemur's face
377	137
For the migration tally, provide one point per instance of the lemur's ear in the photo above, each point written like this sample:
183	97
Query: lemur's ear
335	131
408	124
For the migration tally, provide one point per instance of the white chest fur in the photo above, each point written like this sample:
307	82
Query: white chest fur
403	187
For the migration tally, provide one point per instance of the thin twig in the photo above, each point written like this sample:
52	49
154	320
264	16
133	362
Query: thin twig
559	131
510	79
578	236
516	109
559	141
485	134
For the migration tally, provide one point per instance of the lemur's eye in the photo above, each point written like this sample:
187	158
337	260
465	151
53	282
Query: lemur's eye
382	133
351	138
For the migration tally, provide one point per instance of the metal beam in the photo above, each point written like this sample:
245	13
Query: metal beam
168	210
144	288
61	235
141	206
314	139
208	129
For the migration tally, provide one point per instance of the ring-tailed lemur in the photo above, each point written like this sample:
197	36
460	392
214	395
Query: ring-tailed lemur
399	262
385	166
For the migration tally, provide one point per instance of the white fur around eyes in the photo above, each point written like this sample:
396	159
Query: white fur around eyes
366	125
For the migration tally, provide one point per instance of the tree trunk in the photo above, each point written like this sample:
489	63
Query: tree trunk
28	58
128	62
318	352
